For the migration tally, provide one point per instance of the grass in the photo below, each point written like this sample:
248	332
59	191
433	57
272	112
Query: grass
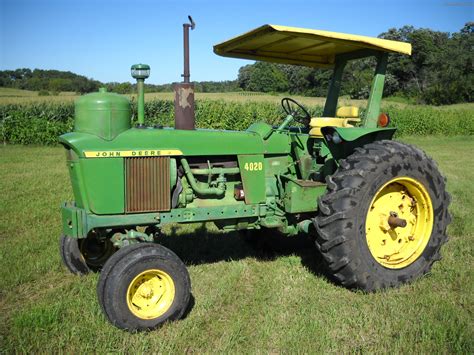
244	300
10	95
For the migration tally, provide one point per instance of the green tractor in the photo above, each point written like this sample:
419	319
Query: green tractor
377	208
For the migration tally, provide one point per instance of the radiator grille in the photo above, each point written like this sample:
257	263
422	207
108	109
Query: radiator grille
147	184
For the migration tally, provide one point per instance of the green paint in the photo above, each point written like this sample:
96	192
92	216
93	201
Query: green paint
299	149
74	221
200	190
75	175
104	184
190	142
352	138
376	92
140	72
302	195
261	128
353	133
330	106
77	223
141	102
173	172
102	114
284	125
278	143
132	236
216	171
252	171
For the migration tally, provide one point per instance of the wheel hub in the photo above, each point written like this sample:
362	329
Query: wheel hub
399	222
150	294
146	291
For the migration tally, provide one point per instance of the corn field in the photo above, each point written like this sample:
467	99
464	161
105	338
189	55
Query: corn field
41	123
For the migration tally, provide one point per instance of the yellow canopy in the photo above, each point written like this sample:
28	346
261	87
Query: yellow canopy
293	45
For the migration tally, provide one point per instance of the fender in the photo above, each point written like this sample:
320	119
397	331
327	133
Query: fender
342	141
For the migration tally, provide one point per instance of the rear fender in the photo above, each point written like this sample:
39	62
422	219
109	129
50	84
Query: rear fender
342	141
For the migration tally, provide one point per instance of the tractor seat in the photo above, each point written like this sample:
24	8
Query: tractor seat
344	115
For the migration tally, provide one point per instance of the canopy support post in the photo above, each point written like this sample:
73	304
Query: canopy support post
330	106
376	92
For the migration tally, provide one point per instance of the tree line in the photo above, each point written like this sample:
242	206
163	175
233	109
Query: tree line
55	81
440	71
199	86
47	80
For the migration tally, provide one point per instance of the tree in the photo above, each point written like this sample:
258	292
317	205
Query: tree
244	75
262	77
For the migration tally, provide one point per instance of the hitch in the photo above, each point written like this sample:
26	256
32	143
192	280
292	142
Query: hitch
132	236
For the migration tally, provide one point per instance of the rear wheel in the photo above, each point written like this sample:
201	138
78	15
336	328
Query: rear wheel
142	286
384	218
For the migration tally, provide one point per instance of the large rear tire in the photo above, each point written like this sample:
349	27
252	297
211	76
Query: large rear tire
382	180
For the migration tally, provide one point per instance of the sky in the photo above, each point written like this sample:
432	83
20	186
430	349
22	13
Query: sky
101	39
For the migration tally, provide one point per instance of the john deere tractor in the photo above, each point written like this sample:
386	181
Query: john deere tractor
377	208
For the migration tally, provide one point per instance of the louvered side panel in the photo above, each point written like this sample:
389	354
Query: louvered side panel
147	184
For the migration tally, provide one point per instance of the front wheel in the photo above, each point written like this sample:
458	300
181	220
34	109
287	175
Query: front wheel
384	218
142	286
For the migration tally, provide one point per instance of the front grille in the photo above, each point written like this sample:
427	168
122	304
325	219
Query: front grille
147	184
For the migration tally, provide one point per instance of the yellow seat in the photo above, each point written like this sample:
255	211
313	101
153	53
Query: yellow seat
348	112
347	116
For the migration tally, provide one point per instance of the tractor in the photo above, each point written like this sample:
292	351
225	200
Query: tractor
377	208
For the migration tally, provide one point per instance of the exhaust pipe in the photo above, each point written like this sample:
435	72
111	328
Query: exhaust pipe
184	92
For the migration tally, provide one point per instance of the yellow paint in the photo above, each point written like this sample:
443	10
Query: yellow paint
293	45
399	247
131	153
347	111
317	123
150	294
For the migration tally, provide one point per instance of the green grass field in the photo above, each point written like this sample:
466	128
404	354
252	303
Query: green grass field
245	300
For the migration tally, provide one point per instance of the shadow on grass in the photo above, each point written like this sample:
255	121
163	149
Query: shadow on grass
203	246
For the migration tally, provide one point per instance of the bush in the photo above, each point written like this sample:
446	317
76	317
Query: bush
426	120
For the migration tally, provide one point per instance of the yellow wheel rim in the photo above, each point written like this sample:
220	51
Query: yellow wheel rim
150	294
396	247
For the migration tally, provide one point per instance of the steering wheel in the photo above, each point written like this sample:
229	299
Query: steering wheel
295	109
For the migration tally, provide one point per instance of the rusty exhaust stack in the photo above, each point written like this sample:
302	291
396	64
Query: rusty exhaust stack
184	92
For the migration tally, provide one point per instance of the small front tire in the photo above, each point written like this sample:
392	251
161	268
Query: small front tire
143	286
71	256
